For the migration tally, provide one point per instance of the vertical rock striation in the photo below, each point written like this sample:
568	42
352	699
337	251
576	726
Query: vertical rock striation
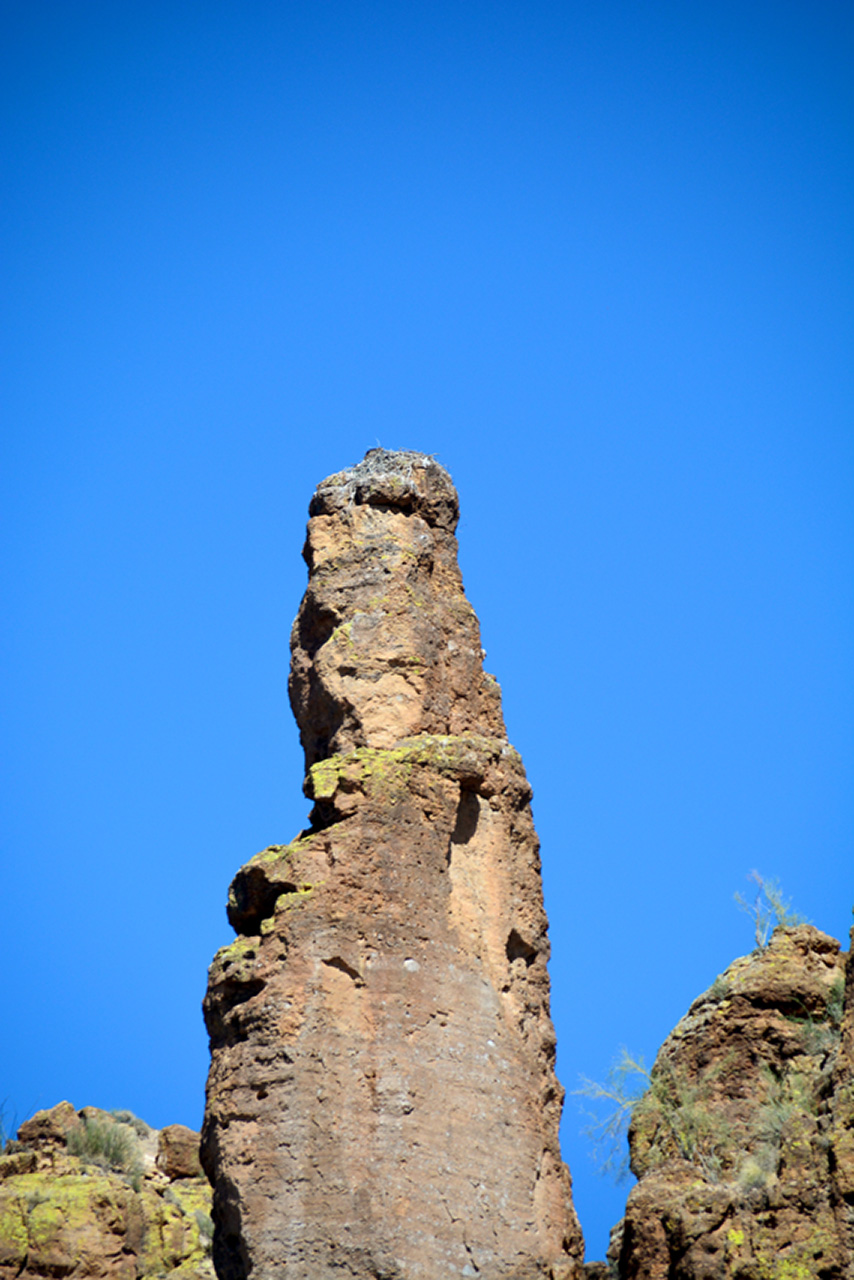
382	1103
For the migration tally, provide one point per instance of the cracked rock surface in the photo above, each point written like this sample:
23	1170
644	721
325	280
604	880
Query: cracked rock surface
382	1103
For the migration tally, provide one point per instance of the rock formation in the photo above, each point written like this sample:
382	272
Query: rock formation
382	1103
97	1194
744	1144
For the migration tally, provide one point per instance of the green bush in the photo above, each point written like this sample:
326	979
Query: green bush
204	1222
140	1128
835	1003
107	1143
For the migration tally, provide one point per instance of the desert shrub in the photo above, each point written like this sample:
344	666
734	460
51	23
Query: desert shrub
769	909
756	1170
719	990
676	1112
835	1003
626	1084
788	1100
139	1127
107	1143
204	1222
689	1126
820	1035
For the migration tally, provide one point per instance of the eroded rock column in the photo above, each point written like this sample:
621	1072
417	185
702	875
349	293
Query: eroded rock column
382	1100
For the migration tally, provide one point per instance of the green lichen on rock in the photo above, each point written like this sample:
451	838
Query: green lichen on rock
384	773
287	901
236	961
800	1261
69	1217
177	1230
277	853
66	1219
13	1230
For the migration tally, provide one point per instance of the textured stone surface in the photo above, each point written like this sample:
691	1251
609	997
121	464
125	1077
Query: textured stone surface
742	1145
94	1215
842	1119
178	1152
382	1100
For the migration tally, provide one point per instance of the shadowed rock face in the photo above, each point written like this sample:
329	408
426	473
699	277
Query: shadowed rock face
382	1103
744	1146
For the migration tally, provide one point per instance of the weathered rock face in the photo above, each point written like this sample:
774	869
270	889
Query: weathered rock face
92	1194
382	1102
841	1151
744	1145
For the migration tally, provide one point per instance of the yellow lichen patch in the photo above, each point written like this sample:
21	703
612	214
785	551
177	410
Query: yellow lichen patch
236	961
384	773
67	1218
800	1262
13	1229
75	1221
279	852
177	1230
286	901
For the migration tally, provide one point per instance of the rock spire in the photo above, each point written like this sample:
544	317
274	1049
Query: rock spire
382	1103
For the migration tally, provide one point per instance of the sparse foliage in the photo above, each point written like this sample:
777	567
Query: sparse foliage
626	1084
107	1143
127	1117
8	1127
678	1110
835	1003
206	1229
768	909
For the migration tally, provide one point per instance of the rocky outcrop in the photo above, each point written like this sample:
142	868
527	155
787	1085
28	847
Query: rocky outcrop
841	1149
744	1144
90	1194
382	1103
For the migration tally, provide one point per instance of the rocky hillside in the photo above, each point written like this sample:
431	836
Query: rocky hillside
96	1194
744	1144
382	1099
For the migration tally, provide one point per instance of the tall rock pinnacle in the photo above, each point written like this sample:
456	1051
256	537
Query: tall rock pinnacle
382	1103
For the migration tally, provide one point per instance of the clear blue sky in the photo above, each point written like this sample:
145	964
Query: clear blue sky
598	259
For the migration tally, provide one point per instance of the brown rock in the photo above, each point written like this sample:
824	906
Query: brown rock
17	1162
842	1116
178	1152
382	1099
49	1128
732	1145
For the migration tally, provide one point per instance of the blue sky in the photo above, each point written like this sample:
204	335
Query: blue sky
596	258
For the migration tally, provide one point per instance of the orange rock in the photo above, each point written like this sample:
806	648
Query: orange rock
382	1098
49	1128
178	1152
